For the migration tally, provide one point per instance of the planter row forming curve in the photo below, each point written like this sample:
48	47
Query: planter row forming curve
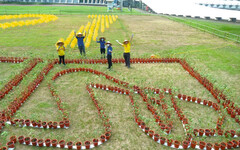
8	114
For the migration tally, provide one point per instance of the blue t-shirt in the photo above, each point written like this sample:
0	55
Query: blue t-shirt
80	41
102	44
109	50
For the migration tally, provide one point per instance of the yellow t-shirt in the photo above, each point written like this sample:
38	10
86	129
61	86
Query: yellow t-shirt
127	47
61	50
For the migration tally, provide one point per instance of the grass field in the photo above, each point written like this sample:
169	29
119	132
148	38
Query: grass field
213	57
60	10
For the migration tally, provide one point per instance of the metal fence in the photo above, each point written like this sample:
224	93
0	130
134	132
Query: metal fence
208	29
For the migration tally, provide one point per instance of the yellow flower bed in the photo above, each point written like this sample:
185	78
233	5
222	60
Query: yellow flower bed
42	19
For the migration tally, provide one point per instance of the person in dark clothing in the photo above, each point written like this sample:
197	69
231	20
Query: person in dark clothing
102	46
109	54
80	39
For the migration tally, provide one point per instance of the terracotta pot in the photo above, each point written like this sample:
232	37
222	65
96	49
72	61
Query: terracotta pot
193	144
205	102
201	132
95	142
195	132
233	133
13	138
230	145
62	143
156	137
235	143
34	141
61	123
103	138
217	146
27	122
67	123
146	129
162	140
185	144
48	142
79	145
54	143
87	144
55	124
202	144
107	134
151	133
44	125
176	144
199	100
213	131
50	124
27	140
169	142
220	132
207	132
223	145
40	142
10	144
209	146
70	145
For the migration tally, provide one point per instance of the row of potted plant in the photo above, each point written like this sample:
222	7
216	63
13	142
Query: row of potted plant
39	123
12	59
217	94
121	60
18	78
156	137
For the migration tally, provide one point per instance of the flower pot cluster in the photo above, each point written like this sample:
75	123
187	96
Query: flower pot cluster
12	59
216	93
18	78
40	124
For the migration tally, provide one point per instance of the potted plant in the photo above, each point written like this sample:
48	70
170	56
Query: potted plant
162	140
34	141
87	144
209	146
62	143
79	145
95	142
48	142
70	145
156	137
27	140
193	144
10	144
54	143
217	146
176	144
202	144
40	142
185	144
102	138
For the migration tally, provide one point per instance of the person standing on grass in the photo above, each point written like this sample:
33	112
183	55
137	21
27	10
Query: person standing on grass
109	54
80	39
61	51
127	45
102	46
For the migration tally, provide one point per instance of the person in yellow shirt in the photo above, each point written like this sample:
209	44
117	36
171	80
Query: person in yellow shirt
127	49
61	51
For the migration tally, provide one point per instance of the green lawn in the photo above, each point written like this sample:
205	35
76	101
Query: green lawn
51	9
213	57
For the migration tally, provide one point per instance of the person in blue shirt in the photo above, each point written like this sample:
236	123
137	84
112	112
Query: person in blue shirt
102	46
109	54
80	39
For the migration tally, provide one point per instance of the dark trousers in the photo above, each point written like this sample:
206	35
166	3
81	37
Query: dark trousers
102	50
61	59
109	58
82	49
127	59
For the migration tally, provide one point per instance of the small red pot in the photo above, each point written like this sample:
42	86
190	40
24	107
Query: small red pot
185	144
103	138
202	144
13	138
79	145
62	143
169	142
54	143
48	142
95	142
156	137
10	144
151	133
70	145
87	144
193	144
162	140
176	144
230	145
223	145
40	142
217	146
27	140
34	141
107	134
209	146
